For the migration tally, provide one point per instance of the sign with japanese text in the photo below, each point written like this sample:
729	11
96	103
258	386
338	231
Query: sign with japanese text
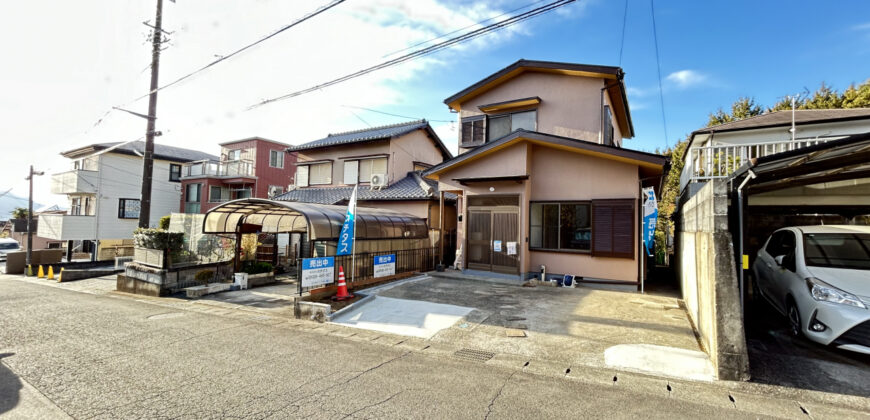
318	271
385	265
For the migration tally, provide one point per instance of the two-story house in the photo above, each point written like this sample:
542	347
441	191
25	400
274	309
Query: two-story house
384	161
103	189
248	168
542	180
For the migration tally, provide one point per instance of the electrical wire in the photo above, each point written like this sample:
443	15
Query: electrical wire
659	67
425	51
622	39
394	115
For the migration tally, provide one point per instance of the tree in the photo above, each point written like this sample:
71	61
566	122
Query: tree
669	194
19	213
742	108
827	98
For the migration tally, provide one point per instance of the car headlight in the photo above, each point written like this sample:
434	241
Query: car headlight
822	291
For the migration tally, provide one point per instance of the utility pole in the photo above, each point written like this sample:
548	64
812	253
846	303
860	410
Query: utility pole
148	165
30	215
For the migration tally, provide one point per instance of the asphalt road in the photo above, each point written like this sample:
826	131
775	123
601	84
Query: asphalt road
110	356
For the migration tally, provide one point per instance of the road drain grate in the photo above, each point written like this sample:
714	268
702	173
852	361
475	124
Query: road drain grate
474	355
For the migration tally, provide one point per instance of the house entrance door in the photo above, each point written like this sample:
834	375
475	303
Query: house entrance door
493	234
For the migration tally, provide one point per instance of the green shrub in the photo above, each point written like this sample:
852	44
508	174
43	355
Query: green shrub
256	267
204	276
164	222
157	239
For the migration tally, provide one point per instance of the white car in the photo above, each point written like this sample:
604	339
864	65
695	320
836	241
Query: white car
8	245
819	277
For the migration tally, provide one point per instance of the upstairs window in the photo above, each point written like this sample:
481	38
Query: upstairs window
234	154
276	159
174	172
607	128
362	170
473	131
315	174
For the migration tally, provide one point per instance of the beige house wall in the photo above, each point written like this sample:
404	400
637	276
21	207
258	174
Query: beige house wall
554	175
570	106
415	146
337	153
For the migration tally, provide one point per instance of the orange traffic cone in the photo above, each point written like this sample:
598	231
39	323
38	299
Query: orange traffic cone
342	287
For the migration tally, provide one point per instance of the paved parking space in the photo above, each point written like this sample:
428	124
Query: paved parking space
571	326
776	357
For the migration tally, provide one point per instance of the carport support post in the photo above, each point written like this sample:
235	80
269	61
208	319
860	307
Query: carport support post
238	260
441	227
750	175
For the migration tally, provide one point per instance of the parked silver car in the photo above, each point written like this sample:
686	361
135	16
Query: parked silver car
8	245
819	277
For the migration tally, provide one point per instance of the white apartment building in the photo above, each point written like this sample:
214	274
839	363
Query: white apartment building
104	186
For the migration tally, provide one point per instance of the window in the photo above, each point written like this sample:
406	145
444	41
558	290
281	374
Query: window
607	129
781	243
560	226
87	208
243	193
128	208
193	196
75	207
362	170
837	250
218	194
234	154
174	172
276	158
502	125
473	131
316	174
613	228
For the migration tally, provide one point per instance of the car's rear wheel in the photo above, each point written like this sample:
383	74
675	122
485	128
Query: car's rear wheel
794	319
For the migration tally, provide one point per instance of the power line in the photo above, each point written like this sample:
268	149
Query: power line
659	67
425	51
394	115
225	57
462	29
622	39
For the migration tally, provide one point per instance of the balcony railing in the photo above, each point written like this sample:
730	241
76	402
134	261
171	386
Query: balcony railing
720	161
75	181
231	168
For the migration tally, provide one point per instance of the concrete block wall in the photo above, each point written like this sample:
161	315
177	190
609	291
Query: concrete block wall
708	277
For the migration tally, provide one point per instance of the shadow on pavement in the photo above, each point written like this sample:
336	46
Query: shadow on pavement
10	386
778	358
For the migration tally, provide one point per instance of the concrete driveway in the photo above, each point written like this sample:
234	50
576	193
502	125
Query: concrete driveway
576	327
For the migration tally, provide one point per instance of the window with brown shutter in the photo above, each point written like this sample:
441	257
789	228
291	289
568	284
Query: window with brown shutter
613	228
473	130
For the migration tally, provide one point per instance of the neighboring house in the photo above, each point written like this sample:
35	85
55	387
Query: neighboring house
252	167
543	182
104	187
716	152
385	161
17	229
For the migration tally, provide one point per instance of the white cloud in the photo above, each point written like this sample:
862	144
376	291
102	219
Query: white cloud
686	78
57	89
861	27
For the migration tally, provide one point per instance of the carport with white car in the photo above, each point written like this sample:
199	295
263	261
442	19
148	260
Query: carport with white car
799	224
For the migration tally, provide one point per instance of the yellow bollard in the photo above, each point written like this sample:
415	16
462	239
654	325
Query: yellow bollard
29	271
60	275
50	273
41	273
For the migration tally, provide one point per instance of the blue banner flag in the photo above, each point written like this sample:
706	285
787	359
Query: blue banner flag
348	234
650	214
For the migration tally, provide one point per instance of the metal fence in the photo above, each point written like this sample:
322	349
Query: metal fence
407	261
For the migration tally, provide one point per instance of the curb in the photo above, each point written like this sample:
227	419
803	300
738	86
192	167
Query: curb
366	299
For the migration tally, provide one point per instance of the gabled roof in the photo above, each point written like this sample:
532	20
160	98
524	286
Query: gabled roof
615	89
644	159
373	134
253	138
412	187
136	148
783	119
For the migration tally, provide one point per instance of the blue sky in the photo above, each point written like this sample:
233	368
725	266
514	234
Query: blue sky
58	85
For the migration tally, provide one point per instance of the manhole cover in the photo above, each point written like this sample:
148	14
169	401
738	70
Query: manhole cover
474	355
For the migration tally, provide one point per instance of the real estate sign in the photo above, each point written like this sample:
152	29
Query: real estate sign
385	265
650	214
318	271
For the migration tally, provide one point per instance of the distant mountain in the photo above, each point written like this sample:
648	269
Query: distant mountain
10	201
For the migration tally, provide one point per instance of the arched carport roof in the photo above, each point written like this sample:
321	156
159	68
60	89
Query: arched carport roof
319	221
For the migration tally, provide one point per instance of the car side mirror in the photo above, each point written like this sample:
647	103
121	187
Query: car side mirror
779	259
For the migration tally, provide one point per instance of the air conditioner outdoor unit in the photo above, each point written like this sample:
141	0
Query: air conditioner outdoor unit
378	181
273	191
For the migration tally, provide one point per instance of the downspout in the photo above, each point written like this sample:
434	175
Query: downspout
750	176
